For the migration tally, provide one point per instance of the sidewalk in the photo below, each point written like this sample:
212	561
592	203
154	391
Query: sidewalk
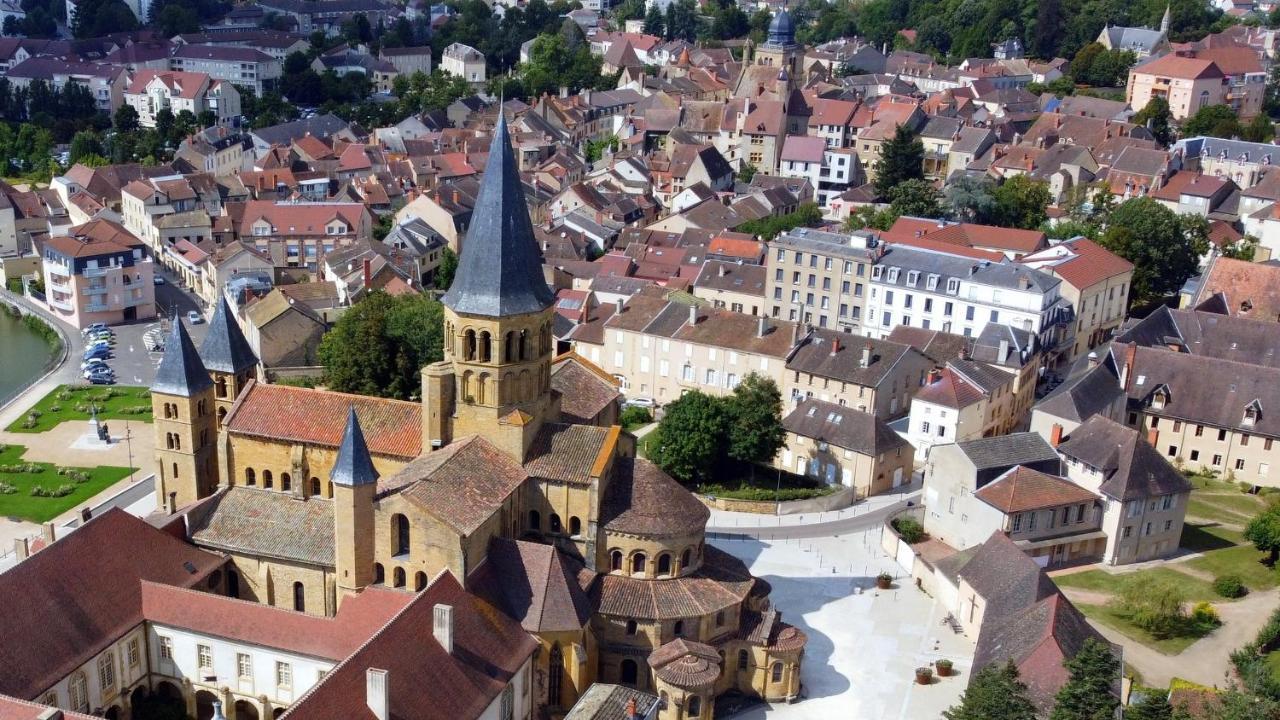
726	520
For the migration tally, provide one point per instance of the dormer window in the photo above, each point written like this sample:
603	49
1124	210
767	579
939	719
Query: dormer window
932	282
1252	412
893	275
1160	397
876	272
913	277
953	286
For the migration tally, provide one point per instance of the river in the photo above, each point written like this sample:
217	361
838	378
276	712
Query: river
24	356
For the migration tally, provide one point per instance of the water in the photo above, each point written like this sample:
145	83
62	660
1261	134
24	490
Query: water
23	356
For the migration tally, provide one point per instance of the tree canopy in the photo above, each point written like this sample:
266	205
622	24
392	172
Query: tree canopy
379	346
1087	695
901	159
700	433
1165	249
995	693
1264	532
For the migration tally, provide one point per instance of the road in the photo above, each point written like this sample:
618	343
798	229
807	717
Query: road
848	524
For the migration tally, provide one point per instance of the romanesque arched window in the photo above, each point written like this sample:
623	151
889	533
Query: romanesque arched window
628	672
694	707
637	563
267	482
615	560
286	482
575	525
775	672
400	534
299	597
555	675
469	345
664	564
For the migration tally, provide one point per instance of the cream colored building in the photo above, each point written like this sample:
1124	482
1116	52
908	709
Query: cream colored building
1186	83
1095	281
839	445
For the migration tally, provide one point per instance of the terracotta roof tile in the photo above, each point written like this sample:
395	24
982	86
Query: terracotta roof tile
266	522
1022	489
722	581
641	499
566	453
463	484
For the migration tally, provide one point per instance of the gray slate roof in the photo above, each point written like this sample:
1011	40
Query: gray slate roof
225	348
1085	393
843	427
1131	467
1021	448
181	372
266	523
500	271
353	466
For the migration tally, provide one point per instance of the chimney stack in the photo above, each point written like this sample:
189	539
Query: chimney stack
866	355
693	314
1055	435
1004	350
377	692
1126	372
368	273
21	550
1153	436
633	712
619	303
934	376
835	346
46	532
723	270
1093	359
442	626
762	326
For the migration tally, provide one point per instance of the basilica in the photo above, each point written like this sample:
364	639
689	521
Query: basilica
511	475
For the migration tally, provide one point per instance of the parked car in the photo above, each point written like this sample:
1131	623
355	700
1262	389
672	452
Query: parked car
99	371
95	327
194	317
97	343
158	280
103	380
106	335
103	352
644	402
93	362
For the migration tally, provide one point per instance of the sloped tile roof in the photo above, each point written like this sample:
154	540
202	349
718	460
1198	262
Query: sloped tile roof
270	523
534	583
585	390
1022	489
1131	468
463	484
722	581
641	499
567	453
842	426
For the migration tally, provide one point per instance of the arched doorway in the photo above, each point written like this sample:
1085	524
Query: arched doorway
628	671
168	691
204	704
246	710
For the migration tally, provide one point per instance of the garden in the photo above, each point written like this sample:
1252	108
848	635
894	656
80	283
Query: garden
40	492
74	402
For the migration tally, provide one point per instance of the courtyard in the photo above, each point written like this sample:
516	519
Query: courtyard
864	643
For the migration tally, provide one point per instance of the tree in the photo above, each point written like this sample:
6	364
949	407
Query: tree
447	269
770	227
654	23
1044	40
916	198
177	19
690	437
901	159
378	347
995	693
746	172
1021	202
1264	532
1164	249
970	198
84	144
1260	129
755	420
126	119
1214	120
1087	694
1152	603
1155	115
1154	706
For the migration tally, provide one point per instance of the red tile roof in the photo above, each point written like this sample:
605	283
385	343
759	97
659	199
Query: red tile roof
1086	262
1022	489
966	234
1177	66
951	391
1186	182
318	417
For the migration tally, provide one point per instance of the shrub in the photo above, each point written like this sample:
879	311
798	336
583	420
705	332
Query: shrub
77	475
1204	615
1153	604
21	468
1245	487
7	489
909	529
60	491
634	415
1229	586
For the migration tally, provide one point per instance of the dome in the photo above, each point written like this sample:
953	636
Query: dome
782	31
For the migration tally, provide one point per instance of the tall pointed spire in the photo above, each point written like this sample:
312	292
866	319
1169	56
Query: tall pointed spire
1164	22
225	348
500	271
181	372
353	466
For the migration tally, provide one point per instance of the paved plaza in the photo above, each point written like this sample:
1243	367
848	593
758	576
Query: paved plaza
864	644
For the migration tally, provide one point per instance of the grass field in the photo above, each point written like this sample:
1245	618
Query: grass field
1244	561
72	402
1107	616
22	504
1105	582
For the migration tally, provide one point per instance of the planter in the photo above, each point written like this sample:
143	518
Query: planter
884	581
924	676
944	668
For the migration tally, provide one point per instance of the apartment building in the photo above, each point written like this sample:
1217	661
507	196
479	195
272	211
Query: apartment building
465	62
868	375
1186	83
820	277
830	170
1144	497
328	15
301	232
145	205
1095	281
954	290
244	66
735	286
957	403
840	445
150	91
1051	518
98	272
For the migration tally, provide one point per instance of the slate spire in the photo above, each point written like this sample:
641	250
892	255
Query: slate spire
181	373
500	271
353	467
225	348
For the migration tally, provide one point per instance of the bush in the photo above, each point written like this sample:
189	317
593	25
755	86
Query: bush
77	475
1229	586
1245	487
909	529
634	416
60	491
1204	615
7	489
1153	604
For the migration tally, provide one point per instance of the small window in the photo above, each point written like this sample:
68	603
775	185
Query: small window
244	665
284	674
775	674
204	657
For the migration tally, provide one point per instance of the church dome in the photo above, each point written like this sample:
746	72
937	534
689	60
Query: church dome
782	31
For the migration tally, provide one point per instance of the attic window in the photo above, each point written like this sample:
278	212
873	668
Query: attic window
811	412
1160	398
913	277
1141	379
932	282
1252	412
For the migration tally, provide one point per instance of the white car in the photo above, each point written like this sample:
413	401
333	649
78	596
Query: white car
644	402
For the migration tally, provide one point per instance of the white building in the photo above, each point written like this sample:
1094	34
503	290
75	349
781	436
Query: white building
830	170
465	62
151	92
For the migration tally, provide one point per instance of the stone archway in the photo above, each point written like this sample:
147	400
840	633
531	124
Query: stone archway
204	704
246	710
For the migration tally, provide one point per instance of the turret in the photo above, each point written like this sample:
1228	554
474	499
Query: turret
182	406
228	357
354	481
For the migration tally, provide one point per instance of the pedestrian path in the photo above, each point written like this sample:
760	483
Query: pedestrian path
724	520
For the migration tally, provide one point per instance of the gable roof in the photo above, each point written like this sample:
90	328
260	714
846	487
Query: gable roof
1022	448
1021	489
462	484
1132	469
266	523
842	426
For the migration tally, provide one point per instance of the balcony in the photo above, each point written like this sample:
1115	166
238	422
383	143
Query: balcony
94	290
59	280
96	307
60	304
96	272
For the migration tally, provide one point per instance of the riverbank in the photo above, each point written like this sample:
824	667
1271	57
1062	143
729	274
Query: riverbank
55	370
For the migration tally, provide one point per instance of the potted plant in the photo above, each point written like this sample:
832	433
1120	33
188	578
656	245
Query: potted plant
884	580
924	675
944	668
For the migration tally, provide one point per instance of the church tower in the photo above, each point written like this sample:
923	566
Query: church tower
228	357
354	482
183	416
495	379
780	49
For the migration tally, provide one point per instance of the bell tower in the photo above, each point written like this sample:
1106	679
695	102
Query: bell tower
495	379
228	357
183	416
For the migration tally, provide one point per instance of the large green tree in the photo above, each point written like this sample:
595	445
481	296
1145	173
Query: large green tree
1165	249
690	437
1155	116
916	198
901	159
378	347
755	432
1154	706
995	693
1214	120
1091	677
1264	532
1021	202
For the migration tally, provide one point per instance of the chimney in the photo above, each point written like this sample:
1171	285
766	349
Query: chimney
1093	359
723	270
52	714
442	626
619	303
693	314
46	532
368	273
762	326
1153	436
866	355
835	346
1126	372
1004	351
934	376
633	712
377	691
795	334
20	549
1055	435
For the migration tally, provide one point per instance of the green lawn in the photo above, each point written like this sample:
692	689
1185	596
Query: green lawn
1242	560
1212	484
72	402
1208	507
1107	616
1237	502
1203	537
22	504
1105	582
1273	663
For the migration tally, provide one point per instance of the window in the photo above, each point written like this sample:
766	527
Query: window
244	665
1173	451
1128	531
1222	435
507	703
1195	455
107	671
743	659
1217	460
166	648
775	673
1166	502
1017	522
78	689
1199	431
637	563
204	657
1240	463
299	597
284	674
694	707
631	627
710	377
968	313
678	628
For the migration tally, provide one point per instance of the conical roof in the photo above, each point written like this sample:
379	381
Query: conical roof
500	271
181	372
353	466
782	30
225	349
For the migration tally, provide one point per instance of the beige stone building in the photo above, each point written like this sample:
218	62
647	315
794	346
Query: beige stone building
819	277
868	375
1095	281
840	445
